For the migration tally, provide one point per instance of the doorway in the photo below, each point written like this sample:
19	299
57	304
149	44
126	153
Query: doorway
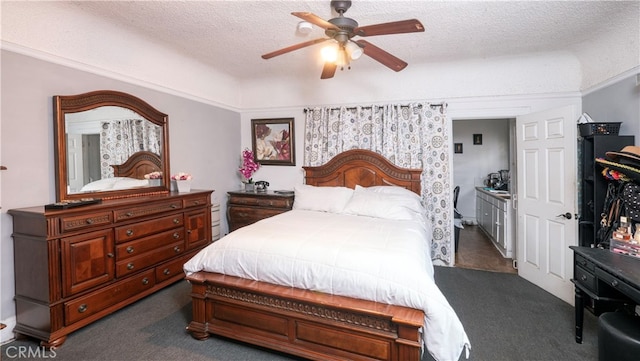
481	147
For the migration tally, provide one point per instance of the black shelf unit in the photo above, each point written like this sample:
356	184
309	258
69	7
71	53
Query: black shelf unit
593	186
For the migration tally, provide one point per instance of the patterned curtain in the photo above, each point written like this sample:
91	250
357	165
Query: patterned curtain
119	139
410	136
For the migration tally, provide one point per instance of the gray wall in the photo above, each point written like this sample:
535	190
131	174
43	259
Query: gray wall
203	141
619	102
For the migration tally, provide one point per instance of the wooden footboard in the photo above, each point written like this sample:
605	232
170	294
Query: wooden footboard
304	323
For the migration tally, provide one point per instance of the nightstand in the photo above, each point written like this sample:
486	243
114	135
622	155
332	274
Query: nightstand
245	208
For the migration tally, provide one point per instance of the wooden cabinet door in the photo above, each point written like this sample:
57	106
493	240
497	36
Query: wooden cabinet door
198	228
87	261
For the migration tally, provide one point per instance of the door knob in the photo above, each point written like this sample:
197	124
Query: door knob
566	215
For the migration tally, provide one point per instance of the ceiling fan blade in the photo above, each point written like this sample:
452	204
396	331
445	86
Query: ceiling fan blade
396	27
382	56
293	47
316	20
329	70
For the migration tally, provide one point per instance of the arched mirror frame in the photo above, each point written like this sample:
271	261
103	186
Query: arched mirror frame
65	104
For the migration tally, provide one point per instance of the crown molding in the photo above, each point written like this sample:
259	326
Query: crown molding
627	74
37	54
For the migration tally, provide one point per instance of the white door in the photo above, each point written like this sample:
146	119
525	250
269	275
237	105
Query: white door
546	158
74	163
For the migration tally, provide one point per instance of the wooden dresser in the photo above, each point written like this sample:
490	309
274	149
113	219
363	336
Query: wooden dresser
74	266
245	208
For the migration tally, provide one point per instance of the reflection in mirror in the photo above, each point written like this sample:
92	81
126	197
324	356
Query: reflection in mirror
107	145
100	138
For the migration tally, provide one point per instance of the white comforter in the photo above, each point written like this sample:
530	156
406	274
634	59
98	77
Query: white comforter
369	258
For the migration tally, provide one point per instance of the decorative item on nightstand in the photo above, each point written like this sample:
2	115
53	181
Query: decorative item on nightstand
183	182
261	186
249	166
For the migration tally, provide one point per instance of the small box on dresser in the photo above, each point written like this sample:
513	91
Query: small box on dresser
245	208
75	266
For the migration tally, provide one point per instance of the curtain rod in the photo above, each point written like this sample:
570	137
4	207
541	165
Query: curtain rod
433	105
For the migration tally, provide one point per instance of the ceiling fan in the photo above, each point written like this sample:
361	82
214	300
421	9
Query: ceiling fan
341	29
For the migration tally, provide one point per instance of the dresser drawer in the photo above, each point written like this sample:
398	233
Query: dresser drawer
171	269
585	263
78	222
259	201
619	285
86	306
134	264
243	216
146	244
136	230
585	278
195	202
146	210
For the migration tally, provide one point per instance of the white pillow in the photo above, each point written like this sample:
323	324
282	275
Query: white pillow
323	199
391	190
371	203
126	183
100	184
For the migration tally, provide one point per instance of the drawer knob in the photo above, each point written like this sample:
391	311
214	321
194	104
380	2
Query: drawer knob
130	266
196	202
82	308
145	281
583	262
110	255
166	271
89	221
176	235
128	214
129	232
189	231
130	249
173	206
583	278
176	221
176	249
614	283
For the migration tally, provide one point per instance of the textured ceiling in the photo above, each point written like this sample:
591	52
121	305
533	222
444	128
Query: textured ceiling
231	35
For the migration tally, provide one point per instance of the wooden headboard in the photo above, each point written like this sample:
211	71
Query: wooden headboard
364	168
138	164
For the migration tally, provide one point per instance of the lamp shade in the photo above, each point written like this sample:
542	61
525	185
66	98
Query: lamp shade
354	50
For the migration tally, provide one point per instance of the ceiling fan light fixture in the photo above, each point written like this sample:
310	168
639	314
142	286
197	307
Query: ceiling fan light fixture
354	50
329	53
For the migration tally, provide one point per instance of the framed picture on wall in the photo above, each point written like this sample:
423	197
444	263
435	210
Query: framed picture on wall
477	139
457	148
273	141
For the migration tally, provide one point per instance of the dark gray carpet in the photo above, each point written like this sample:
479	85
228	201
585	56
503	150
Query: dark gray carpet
506	318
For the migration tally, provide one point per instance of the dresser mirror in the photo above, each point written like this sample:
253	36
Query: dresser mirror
109	144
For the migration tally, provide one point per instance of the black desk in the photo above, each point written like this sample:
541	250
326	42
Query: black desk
604	276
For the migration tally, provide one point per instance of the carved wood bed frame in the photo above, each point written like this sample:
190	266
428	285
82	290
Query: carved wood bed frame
311	324
138	164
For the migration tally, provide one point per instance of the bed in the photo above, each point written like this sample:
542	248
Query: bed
297	311
129	174
138	164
